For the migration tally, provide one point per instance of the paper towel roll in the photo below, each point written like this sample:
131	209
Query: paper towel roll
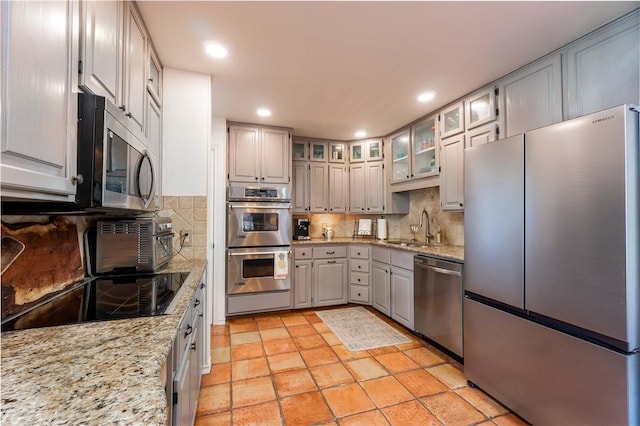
382	229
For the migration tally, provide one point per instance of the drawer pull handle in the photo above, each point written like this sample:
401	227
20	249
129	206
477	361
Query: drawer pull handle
331	252
189	330
331	261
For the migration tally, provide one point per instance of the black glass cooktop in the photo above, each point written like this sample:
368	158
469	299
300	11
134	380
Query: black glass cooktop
104	298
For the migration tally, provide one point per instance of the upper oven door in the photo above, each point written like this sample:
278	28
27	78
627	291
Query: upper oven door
253	224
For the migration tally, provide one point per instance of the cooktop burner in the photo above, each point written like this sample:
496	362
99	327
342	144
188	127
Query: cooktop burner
104	298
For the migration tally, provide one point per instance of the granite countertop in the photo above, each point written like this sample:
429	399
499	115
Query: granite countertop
92	373
442	251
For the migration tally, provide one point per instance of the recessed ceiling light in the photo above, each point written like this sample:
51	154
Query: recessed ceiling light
216	50
426	97
263	112
360	133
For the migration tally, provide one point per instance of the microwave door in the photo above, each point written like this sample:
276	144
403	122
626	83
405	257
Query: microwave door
145	179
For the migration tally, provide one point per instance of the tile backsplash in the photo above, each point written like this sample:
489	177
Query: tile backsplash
190	214
451	224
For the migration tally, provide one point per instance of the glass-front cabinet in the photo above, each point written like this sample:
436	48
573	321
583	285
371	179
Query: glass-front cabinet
318	151
425	151
357	150
337	152
452	120
374	150
300	150
481	108
400	160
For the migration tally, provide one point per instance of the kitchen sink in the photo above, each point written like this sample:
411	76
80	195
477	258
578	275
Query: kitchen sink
405	243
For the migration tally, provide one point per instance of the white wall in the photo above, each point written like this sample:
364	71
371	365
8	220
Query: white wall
217	218
186	131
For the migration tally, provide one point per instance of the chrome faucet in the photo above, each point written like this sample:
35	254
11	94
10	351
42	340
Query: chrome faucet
427	235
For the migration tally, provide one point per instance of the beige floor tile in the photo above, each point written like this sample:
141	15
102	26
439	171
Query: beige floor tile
218	419
396	362
302	330
274	347
220	373
309	342
370	418
331	375
424	357
294	319
383	350
249	369
420	383
449	375
284	362
244	338
269	322
509	420
252	391
250	350
218	340
331	339
217	330
345	354
220	355
214	398
274	334
411	345
294	382
451	409
321	327
267	414
347	400
305	409
386	391
319	356
312	317
366	369
243	327
409	413
482	402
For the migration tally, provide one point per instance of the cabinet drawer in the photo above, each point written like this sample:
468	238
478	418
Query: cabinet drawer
329	252
303	253
359	278
402	259
359	252
380	254
359	265
358	294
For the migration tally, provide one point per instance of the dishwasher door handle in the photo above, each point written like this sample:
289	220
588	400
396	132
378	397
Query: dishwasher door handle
441	270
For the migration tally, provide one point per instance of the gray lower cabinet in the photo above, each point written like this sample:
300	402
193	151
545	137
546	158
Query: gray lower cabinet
320	276
330	278
188	354
402	296
302	278
392	282
359	267
381	284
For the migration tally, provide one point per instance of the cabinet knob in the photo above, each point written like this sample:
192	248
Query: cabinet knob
359	294
460	204
358	279
303	253
358	253
150	80
261	178
297	266
122	107
193	346
256	177
77	179
129	115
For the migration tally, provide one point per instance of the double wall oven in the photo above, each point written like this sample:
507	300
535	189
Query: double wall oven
258	239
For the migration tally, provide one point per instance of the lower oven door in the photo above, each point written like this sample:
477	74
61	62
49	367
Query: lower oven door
252	270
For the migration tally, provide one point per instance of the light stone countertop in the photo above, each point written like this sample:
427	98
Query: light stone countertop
441	251
105	372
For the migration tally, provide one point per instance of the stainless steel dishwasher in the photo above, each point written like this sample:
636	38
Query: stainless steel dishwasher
437	287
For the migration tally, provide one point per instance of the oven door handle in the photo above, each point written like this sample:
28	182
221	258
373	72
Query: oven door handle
231	206
257	253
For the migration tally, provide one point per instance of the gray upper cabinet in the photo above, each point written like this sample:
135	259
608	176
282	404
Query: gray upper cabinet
318	188
101	35
300	187
337	152
452	120
275	157
154	76
481	108
338	188
531	97
258	154
39	99
135	84
452	176
300	150
603	69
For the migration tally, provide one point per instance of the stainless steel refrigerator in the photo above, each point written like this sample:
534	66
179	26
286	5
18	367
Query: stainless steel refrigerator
552	293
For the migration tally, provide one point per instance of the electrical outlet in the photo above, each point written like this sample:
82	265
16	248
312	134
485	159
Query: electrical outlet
185	237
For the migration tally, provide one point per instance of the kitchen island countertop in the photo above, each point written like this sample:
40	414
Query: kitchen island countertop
93	373
442	251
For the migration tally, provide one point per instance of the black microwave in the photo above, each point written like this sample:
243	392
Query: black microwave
115	170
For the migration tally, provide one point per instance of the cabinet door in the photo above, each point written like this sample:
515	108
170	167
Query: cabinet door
330	282
244	153
400	160
481	108
275	156
154	76
194	371
424	154
318	151
452	120
153	130
481	135
101	48
302	284
338	189
603	70
381	279
181	386
318	188
337	152
300	190
374	150
531	97
402	296
357	200
300	150
374	187
357	152
134	67
39	100
452	176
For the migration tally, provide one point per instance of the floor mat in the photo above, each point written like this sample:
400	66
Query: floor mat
358	329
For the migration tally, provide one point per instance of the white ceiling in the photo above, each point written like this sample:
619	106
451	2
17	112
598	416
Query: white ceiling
328	69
